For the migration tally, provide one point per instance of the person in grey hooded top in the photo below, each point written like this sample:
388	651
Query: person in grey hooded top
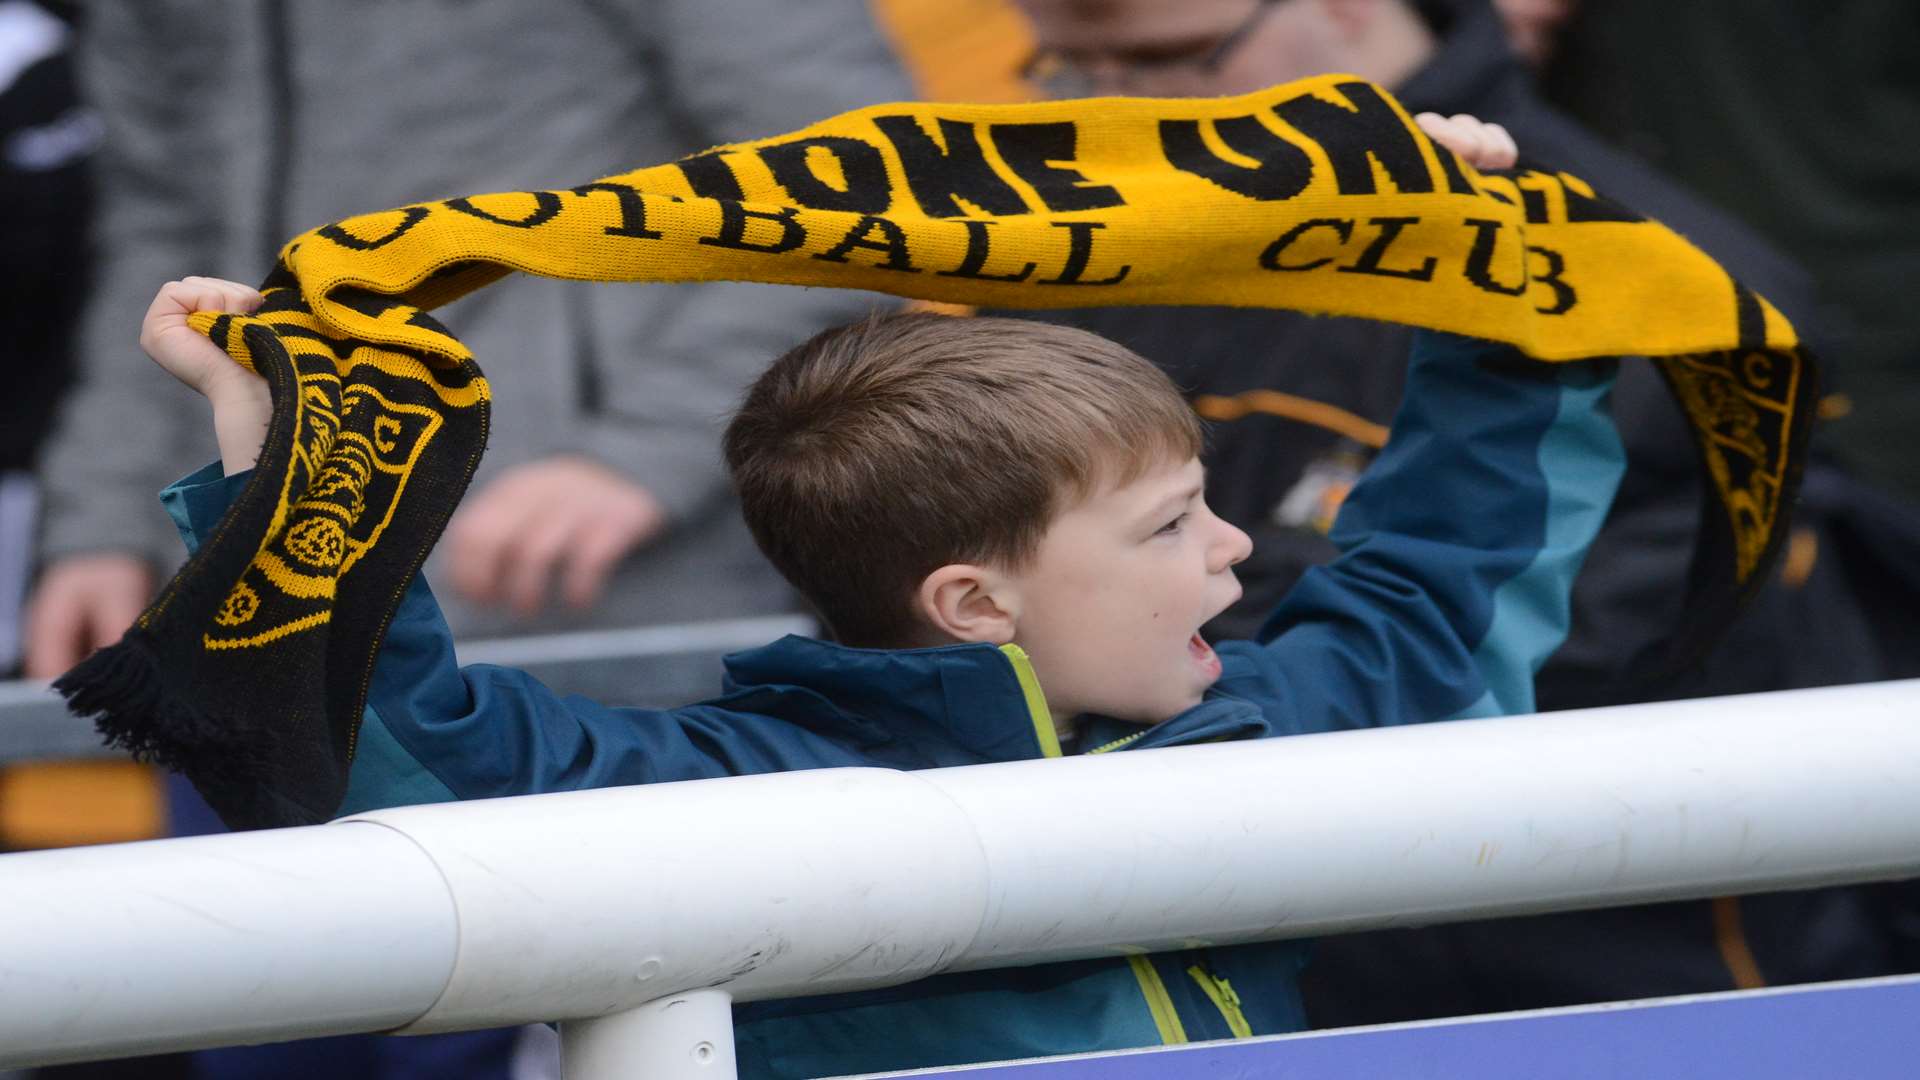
601	500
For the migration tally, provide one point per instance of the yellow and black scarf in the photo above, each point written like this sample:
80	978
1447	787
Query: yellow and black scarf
250	671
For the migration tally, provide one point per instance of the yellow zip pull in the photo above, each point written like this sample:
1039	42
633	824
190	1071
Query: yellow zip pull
1224	999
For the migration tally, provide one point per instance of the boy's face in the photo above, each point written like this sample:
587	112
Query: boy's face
1111	607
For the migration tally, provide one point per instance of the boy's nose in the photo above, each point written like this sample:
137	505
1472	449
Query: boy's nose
1233	546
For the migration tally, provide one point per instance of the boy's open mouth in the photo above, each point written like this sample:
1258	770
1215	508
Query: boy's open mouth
1203	655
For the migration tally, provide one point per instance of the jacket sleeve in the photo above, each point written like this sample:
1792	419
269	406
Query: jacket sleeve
1458	550
725	71
433	731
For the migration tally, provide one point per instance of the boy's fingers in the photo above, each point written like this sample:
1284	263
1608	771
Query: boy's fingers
1472	135
178	299
173	302
1503	152
1451	134
1482	145
1486	146
193	294
219	294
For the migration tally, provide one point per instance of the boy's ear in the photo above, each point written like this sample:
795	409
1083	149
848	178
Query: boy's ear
966	602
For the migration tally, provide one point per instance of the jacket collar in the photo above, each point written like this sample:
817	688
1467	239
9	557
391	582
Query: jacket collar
976	699
1218	718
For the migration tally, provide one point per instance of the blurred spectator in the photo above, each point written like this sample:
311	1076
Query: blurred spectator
960	50
1801	120
46	140
1533	26
1276	466
1303	400
231	126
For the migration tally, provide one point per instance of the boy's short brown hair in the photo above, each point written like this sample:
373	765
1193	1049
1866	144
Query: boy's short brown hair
880	451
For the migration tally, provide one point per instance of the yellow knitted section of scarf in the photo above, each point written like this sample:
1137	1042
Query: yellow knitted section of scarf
1320	195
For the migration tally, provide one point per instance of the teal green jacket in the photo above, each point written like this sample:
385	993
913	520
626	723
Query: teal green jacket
1459	550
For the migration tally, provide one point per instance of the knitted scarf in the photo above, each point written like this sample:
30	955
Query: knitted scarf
250	671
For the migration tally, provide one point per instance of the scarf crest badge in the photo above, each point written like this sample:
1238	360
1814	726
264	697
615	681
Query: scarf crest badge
249	672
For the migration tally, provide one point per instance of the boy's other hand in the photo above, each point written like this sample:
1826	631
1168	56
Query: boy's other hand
241	403
1479	144
567	514
186	354
81	603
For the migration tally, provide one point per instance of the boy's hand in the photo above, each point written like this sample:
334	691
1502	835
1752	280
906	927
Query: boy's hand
186	354
1481	145
241	403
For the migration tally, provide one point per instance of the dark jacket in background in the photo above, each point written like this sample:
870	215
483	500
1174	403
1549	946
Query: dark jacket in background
46	141
281	115
1625	602
1800	119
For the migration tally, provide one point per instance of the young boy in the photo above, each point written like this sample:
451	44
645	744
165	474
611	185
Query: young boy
1002	523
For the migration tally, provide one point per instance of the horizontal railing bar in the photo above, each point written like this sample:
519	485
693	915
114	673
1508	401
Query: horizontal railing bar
582	904
716	636
36	726
665	664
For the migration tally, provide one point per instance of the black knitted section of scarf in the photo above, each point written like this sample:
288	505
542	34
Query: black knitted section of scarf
249	674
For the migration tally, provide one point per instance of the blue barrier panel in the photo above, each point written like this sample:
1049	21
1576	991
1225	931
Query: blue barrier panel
1865	1030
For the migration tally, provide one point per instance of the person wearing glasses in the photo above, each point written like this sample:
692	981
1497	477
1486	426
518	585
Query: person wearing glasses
1303	403
1212	48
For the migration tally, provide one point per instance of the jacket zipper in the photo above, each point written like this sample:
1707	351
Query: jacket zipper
1166	1018
1224	999
1160	1003
1124	740
1037	711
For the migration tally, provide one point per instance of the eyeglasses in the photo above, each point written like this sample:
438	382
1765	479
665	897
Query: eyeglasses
1059	76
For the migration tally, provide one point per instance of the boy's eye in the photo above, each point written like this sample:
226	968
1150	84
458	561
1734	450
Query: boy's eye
1171	526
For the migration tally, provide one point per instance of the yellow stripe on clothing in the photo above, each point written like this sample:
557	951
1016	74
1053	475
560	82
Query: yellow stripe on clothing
1293	407
1224	999
1165	1018
1044	732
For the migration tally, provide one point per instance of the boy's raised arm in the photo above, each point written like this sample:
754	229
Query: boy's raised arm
1459	548
1460	544
433	731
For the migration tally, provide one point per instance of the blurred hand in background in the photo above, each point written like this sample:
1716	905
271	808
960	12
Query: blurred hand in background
82	603
563	521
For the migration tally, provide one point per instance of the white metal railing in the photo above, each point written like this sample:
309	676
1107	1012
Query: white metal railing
635	915
36	726
673	663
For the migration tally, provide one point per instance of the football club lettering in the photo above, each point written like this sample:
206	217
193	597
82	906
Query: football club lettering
1321	195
